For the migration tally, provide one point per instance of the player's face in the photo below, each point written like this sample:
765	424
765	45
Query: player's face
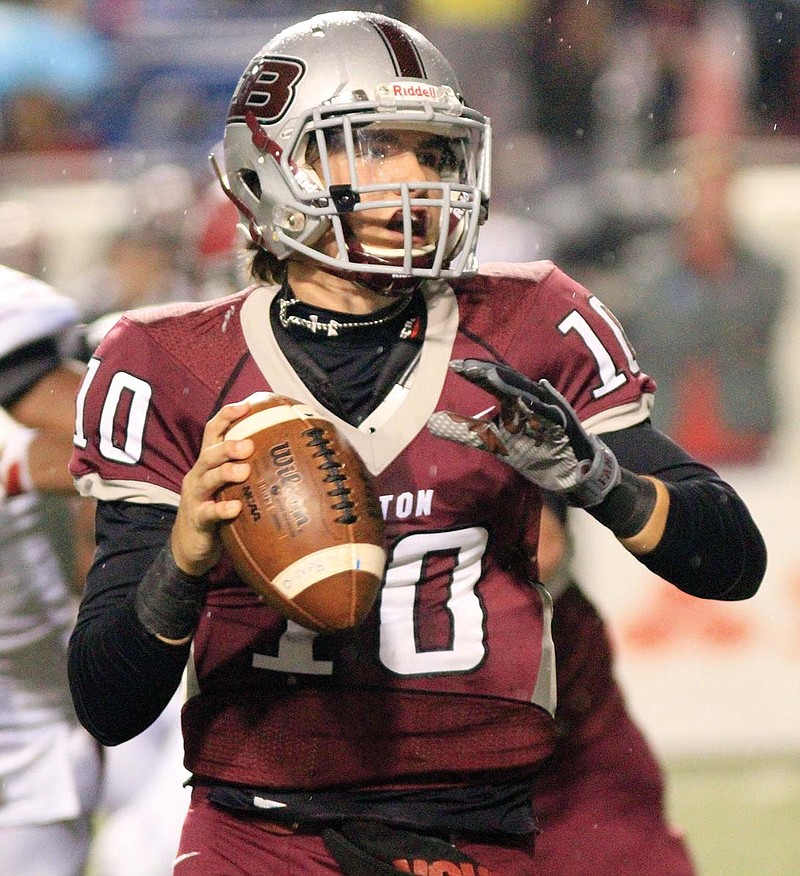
389	156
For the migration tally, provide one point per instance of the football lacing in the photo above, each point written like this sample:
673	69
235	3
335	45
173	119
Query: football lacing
334	476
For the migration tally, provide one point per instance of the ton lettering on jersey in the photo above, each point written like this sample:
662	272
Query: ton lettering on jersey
400	506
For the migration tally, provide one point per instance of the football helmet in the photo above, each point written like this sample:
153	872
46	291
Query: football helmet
341	82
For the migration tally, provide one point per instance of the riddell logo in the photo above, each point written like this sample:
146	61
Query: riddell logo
414	89
439	868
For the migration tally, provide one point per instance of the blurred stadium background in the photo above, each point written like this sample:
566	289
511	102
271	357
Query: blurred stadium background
609	116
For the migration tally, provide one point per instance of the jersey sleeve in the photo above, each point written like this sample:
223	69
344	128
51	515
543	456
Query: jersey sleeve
140	417
568	336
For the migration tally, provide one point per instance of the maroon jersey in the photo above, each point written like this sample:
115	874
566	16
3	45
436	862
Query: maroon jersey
452	674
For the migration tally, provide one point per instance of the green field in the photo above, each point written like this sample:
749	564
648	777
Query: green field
741	817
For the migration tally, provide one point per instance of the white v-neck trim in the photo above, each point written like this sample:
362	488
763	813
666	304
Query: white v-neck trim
379	445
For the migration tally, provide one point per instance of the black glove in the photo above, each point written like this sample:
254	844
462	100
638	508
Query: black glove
536	432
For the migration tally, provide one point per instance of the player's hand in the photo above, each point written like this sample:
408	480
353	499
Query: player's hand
195	540
15	439
536	432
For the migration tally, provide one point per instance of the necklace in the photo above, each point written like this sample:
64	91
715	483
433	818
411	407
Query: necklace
333	327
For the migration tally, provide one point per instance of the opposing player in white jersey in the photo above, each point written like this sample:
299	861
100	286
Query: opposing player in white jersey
49	766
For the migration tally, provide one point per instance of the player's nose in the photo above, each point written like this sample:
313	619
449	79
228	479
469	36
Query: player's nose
408	168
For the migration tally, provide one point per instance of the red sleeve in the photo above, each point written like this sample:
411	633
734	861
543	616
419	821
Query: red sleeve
140	418
558	330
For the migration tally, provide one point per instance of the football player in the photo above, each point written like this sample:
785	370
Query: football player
49	765
411	743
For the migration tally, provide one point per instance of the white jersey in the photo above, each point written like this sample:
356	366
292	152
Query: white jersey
36	617
38	728
43	751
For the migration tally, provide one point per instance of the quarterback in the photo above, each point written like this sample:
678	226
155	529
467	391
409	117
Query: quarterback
411	743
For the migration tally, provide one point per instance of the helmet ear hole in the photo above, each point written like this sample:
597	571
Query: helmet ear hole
251	180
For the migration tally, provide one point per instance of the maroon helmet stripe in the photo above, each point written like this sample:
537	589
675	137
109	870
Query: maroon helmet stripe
405	56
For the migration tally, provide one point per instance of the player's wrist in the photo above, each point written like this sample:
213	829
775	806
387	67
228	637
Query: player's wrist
600	480
15	470
628	506
168	601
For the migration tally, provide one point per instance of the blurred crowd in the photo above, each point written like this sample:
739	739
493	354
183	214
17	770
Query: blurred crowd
619	126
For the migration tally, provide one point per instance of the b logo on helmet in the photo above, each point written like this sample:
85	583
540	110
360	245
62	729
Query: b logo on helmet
267	89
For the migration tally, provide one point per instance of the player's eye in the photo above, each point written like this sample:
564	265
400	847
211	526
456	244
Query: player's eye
428	157
334	140
440	155
377	145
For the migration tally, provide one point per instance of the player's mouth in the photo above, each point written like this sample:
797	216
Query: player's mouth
420	224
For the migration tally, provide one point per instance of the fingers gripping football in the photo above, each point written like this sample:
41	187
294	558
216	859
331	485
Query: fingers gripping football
195	539
536	432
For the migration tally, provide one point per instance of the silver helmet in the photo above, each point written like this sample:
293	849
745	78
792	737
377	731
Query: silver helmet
332	82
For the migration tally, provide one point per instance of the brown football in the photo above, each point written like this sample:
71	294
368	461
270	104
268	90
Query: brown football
309	538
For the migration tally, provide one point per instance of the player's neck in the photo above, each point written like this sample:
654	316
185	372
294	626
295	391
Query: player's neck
312	285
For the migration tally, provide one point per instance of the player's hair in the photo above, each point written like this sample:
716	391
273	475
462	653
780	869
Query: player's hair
266	267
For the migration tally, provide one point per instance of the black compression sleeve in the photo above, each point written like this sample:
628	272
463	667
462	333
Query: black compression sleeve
628	506
711	546
121	676
168	601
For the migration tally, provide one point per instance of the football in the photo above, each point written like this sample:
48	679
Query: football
309	538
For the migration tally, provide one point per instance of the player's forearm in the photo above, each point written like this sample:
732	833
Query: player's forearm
49	403
121	677
36	435
48	455
31	460
648	537
168	601
635	510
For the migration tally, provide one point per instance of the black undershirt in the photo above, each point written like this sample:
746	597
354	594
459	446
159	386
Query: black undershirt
351	372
